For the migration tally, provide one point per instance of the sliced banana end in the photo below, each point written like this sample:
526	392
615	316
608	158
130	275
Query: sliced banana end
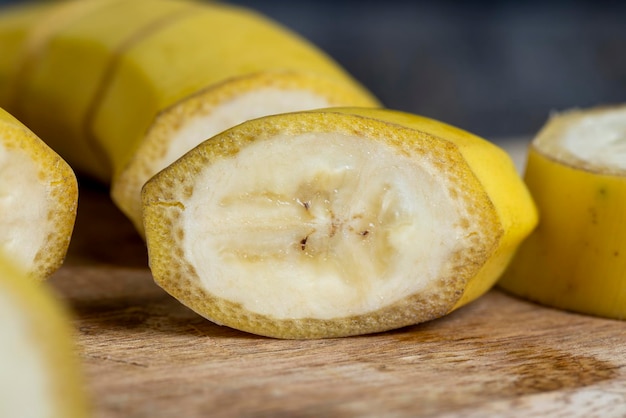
38	200
592	139
576	258
319	224
188	123
40	375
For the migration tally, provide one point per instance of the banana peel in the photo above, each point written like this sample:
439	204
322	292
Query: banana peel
334	222
576	258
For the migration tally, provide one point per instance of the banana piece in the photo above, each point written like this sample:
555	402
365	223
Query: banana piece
156	77
334	222
41	376
51	77
576	258
38	200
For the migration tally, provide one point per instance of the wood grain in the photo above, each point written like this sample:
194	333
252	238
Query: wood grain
146	355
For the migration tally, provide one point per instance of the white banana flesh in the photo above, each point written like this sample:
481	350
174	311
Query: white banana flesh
296	229
168	142
24	203
596	140
28	391
249	105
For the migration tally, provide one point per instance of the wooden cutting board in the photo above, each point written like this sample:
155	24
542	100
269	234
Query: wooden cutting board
146	355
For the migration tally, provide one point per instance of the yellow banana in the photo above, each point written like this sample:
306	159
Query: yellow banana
38	199
51	78
40	375
156	77
334	222
576	258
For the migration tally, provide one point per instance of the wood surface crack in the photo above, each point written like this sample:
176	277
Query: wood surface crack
117	360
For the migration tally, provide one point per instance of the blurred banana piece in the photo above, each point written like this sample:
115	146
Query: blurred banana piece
38	200
334	222
576	258
41	376
122	89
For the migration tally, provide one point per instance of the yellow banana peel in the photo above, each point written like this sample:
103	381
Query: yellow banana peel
576	258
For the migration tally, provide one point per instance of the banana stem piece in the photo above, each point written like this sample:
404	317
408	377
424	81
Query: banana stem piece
157	77
334	222
576	258
38	200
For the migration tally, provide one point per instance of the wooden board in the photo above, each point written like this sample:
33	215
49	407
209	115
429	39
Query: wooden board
146	355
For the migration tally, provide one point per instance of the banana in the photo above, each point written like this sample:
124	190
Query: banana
156	77
334	222
576	258
38	200
41	375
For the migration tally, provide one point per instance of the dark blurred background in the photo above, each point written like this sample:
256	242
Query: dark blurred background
496	68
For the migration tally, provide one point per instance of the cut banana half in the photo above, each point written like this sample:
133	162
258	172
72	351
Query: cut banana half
38	200
40	376
576	258
334	222
157	77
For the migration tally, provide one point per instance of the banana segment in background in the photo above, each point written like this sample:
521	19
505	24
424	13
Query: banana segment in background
38	200
334	222
156	77
576	258
40	376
